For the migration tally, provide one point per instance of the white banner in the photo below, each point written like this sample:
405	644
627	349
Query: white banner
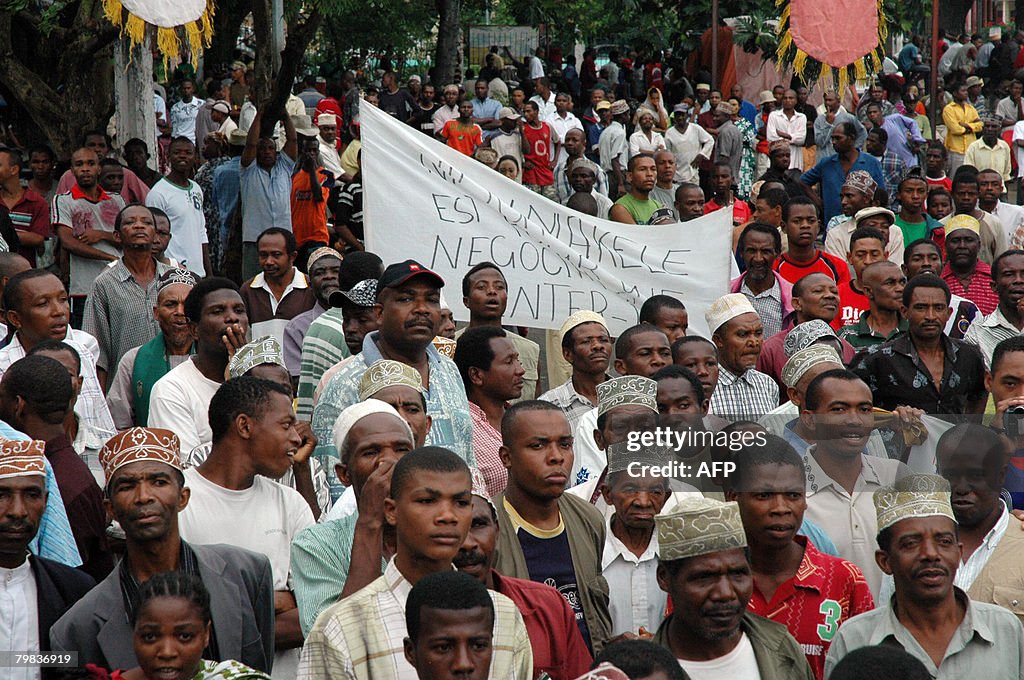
425	201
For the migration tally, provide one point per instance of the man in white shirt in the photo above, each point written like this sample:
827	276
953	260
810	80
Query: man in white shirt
705	572
180	401
613	146
184	112
329	157
235	502
990	188
791	126
630	559
544	98
35	592
449	110
182	199
561	122
689	143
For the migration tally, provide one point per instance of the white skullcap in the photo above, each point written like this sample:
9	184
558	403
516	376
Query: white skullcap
726	308
356	412
327	119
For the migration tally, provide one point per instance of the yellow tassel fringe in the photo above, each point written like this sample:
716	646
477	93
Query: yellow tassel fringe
197	34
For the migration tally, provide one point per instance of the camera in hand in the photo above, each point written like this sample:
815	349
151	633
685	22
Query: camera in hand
1013	421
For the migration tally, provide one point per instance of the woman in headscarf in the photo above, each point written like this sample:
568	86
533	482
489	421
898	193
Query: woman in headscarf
654	104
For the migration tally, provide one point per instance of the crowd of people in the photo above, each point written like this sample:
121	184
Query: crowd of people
236	444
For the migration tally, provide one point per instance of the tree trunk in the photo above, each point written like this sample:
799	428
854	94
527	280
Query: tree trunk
300	35
63	81
263	32
446	58
226	22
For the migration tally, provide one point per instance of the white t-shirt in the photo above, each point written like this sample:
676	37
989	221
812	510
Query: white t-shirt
264	518
184	207
180	402
739	663
183	118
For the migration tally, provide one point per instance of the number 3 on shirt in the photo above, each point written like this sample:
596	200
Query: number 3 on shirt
832	612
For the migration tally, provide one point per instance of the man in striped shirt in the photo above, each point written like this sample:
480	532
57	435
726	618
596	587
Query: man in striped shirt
363	635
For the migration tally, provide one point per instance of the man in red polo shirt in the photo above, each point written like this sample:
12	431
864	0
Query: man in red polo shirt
866	247
29	212
795	584
801	223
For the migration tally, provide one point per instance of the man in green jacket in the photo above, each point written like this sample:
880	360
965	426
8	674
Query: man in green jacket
704	570
547	535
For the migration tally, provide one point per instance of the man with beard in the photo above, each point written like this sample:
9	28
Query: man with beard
587	347
344	552
929	617
743	393
831	172
141	367
550	536
704	569
625	404
145	491
180	400
770	294
795	584
837	417
323	268
641	350
1007	319
558	646
924	368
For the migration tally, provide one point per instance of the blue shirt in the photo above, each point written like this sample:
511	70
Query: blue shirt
488	108
225	193
907	57
748	111
829	173
267	197
447	405
896	125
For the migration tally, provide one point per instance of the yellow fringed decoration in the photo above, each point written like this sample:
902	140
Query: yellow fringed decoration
135	29
800	63
112	10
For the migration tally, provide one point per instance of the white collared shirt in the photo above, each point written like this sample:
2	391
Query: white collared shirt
850	519
636	599
19	617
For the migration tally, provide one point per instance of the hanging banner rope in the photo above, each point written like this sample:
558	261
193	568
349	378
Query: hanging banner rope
839	38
